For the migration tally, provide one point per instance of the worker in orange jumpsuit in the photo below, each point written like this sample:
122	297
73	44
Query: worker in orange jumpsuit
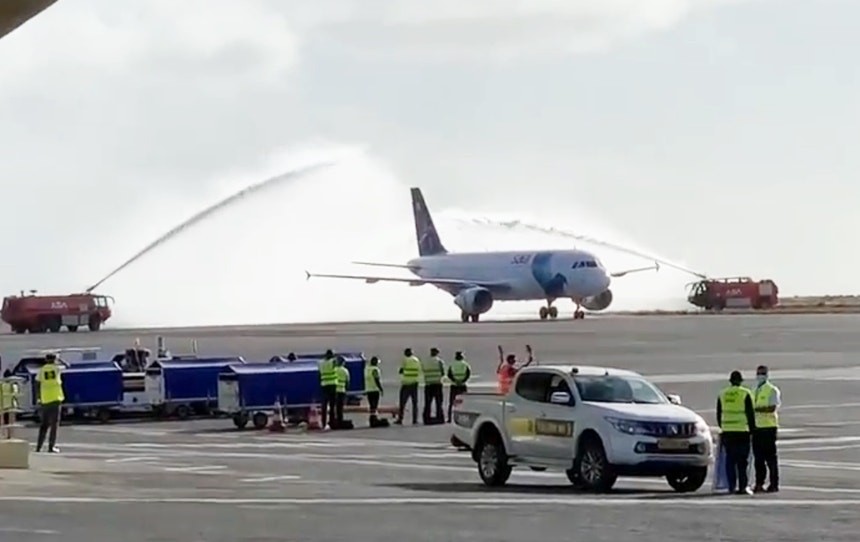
508	368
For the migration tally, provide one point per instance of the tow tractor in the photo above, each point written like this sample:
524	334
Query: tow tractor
734	293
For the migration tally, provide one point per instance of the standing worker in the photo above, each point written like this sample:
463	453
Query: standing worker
340	389
51	397
507	369
410	373
373	389
767	401
433	370
736	418
328	382
459	373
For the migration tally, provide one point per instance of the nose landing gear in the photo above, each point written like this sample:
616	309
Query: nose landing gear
578	314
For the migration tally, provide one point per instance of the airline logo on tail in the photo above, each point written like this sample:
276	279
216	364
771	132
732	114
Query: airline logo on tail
425	232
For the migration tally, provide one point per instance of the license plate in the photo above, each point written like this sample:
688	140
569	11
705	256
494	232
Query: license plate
672	444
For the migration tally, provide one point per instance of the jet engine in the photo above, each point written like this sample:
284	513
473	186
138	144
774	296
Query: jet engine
599	301
474	300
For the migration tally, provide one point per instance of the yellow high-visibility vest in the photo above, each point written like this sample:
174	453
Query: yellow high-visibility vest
734	415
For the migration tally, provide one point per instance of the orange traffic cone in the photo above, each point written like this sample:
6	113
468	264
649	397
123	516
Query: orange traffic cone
278	424
314	417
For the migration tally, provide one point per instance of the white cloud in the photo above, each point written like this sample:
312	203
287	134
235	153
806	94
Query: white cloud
104	38
496	29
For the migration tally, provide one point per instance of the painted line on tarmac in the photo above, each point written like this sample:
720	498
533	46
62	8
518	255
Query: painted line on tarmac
824	465
271	478
201	469
654	499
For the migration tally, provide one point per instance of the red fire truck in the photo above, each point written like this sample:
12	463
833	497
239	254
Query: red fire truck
42	313
733	293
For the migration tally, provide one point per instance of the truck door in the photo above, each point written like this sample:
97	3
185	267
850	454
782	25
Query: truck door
522	412
555	423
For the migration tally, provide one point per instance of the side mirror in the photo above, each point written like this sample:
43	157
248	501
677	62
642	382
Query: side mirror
559	398
674	399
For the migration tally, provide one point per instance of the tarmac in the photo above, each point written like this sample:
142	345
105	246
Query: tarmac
205	481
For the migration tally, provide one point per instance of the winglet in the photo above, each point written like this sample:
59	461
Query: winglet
308	273
657	266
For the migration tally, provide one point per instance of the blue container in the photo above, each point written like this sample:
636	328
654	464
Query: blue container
93	384
187	380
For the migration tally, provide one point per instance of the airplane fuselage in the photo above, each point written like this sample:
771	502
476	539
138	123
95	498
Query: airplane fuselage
530	275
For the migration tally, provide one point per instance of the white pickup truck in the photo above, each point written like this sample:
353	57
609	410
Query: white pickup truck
594	423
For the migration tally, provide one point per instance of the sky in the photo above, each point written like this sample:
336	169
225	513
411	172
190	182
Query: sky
719	134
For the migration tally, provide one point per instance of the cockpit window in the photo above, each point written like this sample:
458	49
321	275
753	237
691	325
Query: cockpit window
585	263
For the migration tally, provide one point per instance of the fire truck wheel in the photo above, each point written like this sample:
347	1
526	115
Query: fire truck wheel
95	322
72	328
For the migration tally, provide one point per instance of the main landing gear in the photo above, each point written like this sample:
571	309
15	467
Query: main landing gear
552	312
465	317
548	312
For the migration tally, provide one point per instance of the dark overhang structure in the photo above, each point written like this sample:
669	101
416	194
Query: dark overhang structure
14	13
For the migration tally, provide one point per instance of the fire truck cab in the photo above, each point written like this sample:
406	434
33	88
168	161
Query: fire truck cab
733	292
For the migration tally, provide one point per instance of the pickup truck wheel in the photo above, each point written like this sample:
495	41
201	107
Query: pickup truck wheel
493	463
593	467
688	481
575	478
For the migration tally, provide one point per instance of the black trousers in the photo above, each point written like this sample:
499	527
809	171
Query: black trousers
340	401
764	451
737	446
329	406
373	402
408	392
433	393
50	420
453	392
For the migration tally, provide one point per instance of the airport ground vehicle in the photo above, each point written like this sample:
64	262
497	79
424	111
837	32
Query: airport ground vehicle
733	293
248	392
41	313
593	423
180	385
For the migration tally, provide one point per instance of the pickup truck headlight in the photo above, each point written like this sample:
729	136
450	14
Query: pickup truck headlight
702	428
628	427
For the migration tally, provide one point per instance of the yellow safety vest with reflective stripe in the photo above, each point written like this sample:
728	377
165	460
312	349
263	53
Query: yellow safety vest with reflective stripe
433	369
328	375
371	373
763	395
459	369
734	415
50	384
342	376
411	370
8	396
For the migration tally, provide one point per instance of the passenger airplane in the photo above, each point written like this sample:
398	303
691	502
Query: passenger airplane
477	279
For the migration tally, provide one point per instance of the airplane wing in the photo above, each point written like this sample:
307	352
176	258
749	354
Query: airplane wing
454	284
617	274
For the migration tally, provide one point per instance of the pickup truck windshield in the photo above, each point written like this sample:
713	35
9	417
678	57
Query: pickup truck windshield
618	389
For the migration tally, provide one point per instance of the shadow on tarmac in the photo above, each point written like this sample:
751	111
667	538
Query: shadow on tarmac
521	489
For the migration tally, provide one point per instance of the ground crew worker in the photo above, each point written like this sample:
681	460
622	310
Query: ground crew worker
459	373
410	373
736	418
8	398
373	389
507	369
328	382
433	370
342	384
51	398
766	401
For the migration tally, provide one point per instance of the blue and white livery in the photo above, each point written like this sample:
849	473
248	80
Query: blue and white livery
477	279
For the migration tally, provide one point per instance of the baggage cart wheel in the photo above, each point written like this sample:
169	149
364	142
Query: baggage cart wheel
240	420
260	420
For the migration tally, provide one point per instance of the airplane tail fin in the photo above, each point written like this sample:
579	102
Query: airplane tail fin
425	232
